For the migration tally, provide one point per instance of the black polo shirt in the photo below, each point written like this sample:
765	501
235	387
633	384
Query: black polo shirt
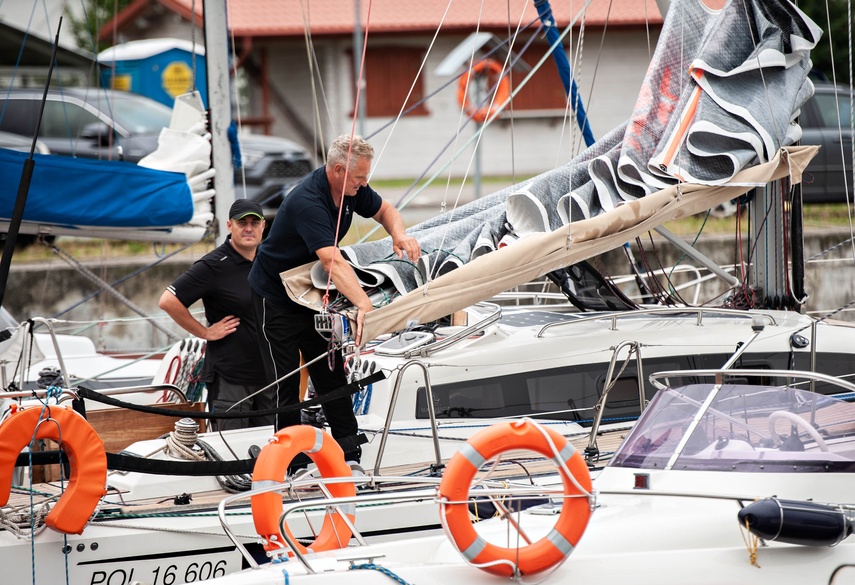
219	280
305	223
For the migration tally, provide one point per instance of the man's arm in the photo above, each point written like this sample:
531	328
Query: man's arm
346	283
181	315
393	223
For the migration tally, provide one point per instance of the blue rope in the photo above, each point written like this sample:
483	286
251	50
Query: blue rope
362	400
52	392
375	567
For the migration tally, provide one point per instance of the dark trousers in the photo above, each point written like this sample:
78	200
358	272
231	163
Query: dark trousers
223	395
283	335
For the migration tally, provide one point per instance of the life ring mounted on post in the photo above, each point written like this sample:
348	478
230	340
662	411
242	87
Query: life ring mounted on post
271	467
575	507
81	444
495	78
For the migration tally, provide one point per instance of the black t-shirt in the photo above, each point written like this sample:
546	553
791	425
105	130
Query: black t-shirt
219	279
305	223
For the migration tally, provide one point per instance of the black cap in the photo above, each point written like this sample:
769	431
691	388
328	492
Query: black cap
243	207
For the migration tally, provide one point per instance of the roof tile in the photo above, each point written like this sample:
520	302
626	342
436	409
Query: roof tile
333	17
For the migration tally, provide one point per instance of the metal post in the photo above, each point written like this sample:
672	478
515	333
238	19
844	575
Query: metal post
358	40
219	109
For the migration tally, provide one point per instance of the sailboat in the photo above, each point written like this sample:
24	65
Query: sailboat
486	362
720	481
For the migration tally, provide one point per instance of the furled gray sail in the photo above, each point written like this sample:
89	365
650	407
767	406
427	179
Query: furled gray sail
721	95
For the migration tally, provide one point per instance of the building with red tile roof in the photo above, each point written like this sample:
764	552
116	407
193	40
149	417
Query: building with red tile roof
287	18
311	100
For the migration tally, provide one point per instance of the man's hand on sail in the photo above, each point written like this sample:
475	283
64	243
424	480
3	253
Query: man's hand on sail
393	223
408	244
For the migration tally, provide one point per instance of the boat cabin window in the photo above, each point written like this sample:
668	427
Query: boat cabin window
571	393
563	394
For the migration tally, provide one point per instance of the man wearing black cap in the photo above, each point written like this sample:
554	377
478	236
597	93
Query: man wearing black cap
233	368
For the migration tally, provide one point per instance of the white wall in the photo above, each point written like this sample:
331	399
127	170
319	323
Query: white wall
529	145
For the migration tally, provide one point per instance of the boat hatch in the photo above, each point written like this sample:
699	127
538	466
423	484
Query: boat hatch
403	342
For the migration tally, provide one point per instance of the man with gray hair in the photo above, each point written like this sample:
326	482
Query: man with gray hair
311	221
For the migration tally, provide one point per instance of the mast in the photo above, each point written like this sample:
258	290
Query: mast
219	109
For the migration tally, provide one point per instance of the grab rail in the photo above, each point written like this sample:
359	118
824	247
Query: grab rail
720	374
436	346
699	312
413	495
71	394
394	400
592	452
325	502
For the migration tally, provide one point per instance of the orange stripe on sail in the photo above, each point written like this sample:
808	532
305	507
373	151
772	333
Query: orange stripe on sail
684	125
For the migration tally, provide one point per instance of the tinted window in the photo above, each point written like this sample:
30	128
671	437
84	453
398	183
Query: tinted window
829	108
136	115
564	393
18	117
64	120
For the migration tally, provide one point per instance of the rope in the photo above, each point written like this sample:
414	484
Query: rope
376	567
181	442
751	543
344	391
25	522
184	443
359	82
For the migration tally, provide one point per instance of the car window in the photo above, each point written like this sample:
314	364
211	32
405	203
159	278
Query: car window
828	109
18	117
139	116
64	120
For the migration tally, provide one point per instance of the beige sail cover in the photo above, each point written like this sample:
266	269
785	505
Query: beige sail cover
537	254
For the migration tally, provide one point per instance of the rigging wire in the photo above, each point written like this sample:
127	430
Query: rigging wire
851	108
849	204
412	85
359	85
460	126
511	82
479	134
487	122
315	80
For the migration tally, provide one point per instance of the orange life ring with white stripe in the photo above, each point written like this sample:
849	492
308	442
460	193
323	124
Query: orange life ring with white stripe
494	72
86	456
271	467
454	493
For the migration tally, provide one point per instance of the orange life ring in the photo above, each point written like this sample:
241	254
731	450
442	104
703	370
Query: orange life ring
271	466
454	492
503	90
86	456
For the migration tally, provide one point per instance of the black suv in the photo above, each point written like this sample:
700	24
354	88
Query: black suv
97	123
824	177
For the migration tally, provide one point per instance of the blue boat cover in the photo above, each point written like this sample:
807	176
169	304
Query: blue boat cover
86	192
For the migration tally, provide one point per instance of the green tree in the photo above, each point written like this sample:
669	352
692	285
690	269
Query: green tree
97	13
835	39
